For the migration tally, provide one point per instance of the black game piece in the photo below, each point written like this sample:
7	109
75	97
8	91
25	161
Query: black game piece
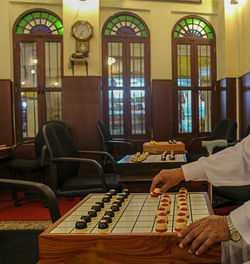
107	218
106	199
86	218
96	207
110	212
92	213
103	224
115	208
124	195
109	194
120	198
81	224
125	191
113	192
100	203
117	202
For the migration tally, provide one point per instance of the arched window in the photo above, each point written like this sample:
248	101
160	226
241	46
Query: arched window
194	74
37	36
125	38
39	22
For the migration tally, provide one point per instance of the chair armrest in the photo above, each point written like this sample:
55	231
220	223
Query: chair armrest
193	140
104	153
14	147
210	145
43	155
91	161
124	142
47	194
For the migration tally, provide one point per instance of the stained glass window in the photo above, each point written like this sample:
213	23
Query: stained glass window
193	27
39	22
125	24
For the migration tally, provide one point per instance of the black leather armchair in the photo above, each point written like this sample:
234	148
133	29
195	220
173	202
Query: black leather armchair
109	143
65	162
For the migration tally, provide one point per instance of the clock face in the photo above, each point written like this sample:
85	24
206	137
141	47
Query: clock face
82	30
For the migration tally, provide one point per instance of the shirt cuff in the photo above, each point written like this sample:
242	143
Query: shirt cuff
194	172
241	221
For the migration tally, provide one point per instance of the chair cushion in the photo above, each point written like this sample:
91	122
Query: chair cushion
29	164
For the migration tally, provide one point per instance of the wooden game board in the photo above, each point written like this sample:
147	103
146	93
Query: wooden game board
131	233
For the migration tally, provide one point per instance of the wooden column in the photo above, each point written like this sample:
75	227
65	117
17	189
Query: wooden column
162	110
82	109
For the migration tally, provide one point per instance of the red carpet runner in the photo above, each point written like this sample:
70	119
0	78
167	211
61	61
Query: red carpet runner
32	210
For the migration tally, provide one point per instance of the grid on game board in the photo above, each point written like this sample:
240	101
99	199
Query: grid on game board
137	215
157	158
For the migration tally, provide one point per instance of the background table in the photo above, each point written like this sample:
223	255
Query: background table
137	176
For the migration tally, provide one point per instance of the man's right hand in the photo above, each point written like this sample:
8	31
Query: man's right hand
166	179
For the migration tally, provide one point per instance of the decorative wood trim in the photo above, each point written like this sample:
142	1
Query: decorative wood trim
6	135
244	98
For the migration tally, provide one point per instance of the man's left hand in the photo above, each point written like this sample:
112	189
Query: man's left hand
203	233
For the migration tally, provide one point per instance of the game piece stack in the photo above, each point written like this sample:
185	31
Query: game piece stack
135	157
162	213
172	155
139	157
183	210
164	155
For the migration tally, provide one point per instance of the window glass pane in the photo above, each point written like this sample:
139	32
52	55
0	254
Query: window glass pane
183	65
204	66
29	114
28	59
115	66
137	65
138	112
116	124
184	111
54	105
53	64
205	111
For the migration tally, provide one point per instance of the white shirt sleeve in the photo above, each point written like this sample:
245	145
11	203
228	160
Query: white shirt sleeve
229	167
241	220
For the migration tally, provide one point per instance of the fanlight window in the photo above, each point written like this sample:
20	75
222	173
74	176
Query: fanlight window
193	27
125	24
39	21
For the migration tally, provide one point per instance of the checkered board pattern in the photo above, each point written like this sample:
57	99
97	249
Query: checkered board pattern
137	214
157	158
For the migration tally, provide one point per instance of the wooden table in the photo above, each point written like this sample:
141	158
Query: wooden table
161	146
137	176
131	238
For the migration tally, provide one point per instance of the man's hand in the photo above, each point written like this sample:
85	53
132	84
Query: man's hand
203	233
166	179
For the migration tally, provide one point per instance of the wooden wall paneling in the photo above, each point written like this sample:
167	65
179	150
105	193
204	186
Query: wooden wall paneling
222	99
244	102
231	98
227	98
81	107
162	110
6	134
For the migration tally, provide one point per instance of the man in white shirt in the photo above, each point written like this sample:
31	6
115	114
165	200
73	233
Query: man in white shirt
230	167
